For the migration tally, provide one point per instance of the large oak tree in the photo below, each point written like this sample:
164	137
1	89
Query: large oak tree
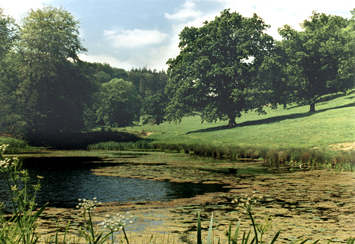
318	60
217	68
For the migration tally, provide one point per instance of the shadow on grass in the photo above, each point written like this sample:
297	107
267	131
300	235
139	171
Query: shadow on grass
71	141
324	99
270	120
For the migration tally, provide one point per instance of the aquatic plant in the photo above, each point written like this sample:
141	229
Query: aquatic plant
116	223
87	207
246	203
21	227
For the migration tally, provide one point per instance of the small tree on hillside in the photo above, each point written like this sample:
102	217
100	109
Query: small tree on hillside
154	108
119	103
318	60
216	70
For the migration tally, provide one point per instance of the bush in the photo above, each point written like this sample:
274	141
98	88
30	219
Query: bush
112	145
14	145
13	125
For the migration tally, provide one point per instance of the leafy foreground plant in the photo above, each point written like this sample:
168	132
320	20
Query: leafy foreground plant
114	224
21	226
87	206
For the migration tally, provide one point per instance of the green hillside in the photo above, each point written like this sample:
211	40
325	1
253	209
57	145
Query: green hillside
332	123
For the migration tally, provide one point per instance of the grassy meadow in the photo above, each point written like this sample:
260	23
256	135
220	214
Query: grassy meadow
293	127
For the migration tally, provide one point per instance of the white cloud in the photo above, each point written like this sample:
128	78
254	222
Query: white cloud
16	8
186	12
134	38
152	48
274	12
279	12
157	57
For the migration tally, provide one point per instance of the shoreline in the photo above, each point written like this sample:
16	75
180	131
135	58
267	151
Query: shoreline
316	204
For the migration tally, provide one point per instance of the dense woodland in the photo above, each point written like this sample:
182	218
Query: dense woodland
226	67
46	90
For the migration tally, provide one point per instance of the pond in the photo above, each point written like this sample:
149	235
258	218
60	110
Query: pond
68	179
316	204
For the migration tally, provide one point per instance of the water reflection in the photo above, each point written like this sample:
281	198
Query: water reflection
62	186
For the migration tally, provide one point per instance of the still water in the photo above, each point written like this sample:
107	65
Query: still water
63	186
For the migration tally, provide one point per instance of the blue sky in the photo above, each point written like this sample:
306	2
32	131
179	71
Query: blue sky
144	33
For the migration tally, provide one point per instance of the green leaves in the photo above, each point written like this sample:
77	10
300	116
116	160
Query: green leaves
51	31
318	60
8	33
43	91
119	103
210	228
154	108
216	68
22	226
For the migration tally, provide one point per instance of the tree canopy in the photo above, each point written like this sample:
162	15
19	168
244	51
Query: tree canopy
216	70
8	33
119	103
11	121
51	32
318	60
154	108
46	90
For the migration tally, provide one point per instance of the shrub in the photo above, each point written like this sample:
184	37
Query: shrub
112	145
13	144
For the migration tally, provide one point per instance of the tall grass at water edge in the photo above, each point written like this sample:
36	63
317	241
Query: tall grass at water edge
306	158
112	145
21	227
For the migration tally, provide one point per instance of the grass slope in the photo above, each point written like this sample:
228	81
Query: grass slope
294	127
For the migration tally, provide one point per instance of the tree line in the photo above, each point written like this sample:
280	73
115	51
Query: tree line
46	90
230	65
226	67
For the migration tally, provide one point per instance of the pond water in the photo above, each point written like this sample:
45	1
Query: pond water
72	179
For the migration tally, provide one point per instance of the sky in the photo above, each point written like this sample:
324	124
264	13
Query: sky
145	33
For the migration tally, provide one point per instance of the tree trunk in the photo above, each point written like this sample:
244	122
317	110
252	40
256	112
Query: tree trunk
231	120
312	107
